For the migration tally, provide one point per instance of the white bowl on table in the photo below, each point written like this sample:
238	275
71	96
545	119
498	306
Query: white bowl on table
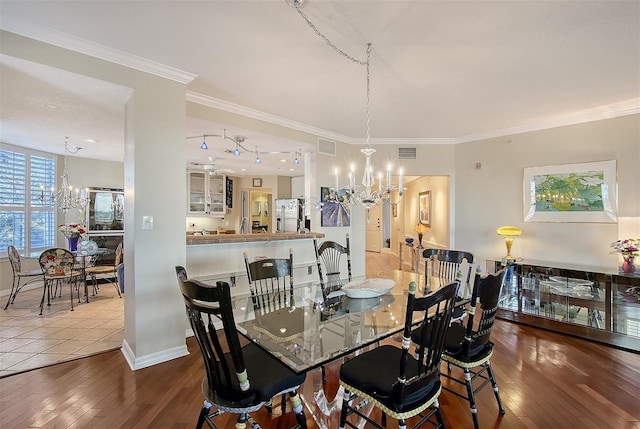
368	288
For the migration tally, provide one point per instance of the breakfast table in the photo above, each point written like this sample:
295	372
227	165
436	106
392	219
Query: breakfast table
87	258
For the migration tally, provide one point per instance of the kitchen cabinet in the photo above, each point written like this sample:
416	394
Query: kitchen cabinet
205	194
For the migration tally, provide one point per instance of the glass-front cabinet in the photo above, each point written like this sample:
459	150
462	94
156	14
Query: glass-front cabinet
587	302
205	193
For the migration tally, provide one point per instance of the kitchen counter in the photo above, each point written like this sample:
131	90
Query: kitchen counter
246	238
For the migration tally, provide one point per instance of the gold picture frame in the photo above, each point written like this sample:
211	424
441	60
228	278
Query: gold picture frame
257	182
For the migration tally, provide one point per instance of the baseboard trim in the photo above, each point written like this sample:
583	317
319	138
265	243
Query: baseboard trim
30	286
136	363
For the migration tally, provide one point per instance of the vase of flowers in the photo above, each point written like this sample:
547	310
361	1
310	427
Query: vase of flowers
629	249
73	232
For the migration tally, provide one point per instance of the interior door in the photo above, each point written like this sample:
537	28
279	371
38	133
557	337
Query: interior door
374	230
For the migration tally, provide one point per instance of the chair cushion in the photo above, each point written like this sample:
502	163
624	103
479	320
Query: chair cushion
375	373
101	269
453	346
267	375
267	378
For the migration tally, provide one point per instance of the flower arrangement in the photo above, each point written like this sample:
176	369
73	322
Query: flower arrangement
72	230
628	247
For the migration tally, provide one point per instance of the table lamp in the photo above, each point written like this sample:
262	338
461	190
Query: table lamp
509	232
421	229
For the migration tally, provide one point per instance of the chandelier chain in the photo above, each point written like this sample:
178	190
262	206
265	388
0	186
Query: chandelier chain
297	6
368	93
368	196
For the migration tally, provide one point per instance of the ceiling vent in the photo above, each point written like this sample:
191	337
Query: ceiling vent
327	147
405	153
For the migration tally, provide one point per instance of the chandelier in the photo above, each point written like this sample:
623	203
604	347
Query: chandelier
67	197
367	195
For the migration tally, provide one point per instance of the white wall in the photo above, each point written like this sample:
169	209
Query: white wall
154	118
439	230
492	196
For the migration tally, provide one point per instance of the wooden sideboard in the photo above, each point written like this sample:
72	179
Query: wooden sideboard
587	302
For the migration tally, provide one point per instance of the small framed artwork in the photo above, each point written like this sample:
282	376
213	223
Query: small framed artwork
394	210
584	192
424	206
257	182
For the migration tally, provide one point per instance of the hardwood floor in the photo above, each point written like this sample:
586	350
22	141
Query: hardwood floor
546	380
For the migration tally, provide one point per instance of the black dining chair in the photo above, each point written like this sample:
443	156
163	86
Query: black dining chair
451	265
29	276
238	378
329	256
270	282
399	384
469	346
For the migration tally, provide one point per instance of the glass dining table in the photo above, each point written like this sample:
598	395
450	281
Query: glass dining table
305	331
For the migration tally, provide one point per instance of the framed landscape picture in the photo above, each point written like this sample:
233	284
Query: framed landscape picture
584	192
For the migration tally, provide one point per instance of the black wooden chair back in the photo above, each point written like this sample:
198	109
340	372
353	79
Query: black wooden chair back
329	259
204	306
486	294
437	307
270	281
450	265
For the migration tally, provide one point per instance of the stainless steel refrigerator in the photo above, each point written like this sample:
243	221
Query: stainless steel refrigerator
289	214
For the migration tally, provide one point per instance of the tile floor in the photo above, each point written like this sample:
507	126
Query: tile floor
28	340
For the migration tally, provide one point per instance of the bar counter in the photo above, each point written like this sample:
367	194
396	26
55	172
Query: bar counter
221	256
214	238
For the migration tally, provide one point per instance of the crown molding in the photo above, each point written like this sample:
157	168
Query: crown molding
610	111
624	108
227	106
405	141
66	41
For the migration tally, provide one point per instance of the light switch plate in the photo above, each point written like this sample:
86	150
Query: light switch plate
147	222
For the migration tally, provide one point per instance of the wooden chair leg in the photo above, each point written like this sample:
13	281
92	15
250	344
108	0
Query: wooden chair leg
205	410
241	423
494	384
296	405
471	398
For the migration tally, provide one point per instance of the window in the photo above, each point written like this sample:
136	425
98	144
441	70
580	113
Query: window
26	178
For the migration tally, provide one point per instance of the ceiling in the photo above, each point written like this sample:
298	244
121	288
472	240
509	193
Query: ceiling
441	71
